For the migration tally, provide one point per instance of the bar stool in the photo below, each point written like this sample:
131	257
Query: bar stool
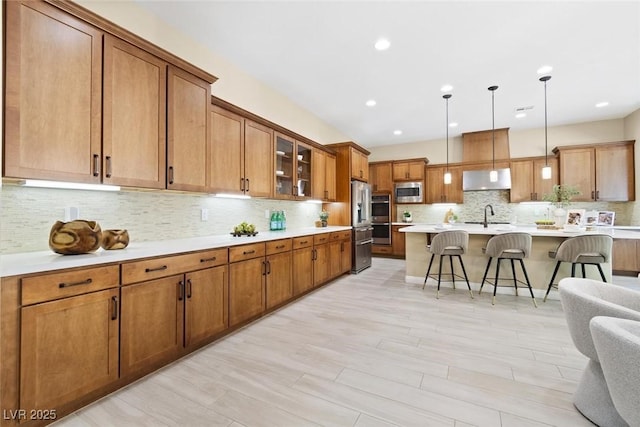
511	246
584	250
448	243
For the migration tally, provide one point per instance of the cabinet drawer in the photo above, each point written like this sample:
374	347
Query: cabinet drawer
319	239
277	246
52	286
381	249
240	253
302	242
156	268
341	235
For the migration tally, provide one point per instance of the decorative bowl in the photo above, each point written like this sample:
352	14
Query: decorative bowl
115	239
75	237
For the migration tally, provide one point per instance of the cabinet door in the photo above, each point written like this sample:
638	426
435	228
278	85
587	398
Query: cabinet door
69	348
330	178
319	170
577	168
544	186
134	128
624	255
335	259
615	174
246	290
279	279
321	264
152	323
188	101
453	192
381	178
258	159
226	164
521	181
53	78
398	241
304	182
434	188
302	270
207	300
345	257
359	165
285	164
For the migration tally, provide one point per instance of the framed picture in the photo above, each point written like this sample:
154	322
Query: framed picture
575	216
606	218
591	218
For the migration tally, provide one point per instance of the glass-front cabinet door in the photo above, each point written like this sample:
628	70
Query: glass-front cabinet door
285	166
303	167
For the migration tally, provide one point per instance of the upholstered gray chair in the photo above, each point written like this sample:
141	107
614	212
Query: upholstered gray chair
511	246
582	300
591	249
451	243
617	342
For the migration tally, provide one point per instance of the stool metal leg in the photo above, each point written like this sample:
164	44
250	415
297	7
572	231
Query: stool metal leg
464	272
439	276
453	277
573	269
526	277
553	276
584	274
428	270
495	285
513	272
486	270
601	272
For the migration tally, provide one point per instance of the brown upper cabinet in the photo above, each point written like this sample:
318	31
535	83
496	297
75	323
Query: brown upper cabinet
52	58
323	175
292	168
478	146
188	136
409	170
359	165
116	129
439	192
602	172
526	179
241	153
380	177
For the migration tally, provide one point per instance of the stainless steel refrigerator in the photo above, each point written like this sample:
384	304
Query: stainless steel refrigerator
362	228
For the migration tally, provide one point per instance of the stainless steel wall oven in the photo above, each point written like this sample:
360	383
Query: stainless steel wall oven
381	218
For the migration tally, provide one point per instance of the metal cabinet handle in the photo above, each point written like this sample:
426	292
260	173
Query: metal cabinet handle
108	171
114	310
170	174
304	242
242	184
180	290
597	194
593	195
68	285
249	252
281	246
268	267
189	288
151	270
213	258
96	165
248	182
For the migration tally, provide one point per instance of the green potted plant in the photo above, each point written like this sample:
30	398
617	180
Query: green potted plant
406	216
324	217
561	196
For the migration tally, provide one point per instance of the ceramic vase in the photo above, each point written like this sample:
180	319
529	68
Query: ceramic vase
75	237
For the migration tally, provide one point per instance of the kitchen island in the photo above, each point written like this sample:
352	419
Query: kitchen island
539	266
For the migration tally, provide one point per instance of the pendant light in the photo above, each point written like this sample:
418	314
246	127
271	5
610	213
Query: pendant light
546	170
493	175
447	174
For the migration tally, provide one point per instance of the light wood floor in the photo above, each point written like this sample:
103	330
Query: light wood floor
369	350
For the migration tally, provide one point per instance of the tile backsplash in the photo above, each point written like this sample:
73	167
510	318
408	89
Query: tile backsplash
27	214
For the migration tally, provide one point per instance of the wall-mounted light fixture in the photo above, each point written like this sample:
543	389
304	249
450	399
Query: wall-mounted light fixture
68	185
546	170
447	174
493	175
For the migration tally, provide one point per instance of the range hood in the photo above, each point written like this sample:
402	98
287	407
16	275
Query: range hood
479	180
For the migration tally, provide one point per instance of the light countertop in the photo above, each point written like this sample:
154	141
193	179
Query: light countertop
36	262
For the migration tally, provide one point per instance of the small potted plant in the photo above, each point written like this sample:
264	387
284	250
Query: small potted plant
406	216
324	217
561	196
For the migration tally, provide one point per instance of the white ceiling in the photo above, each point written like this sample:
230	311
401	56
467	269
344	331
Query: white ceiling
320	54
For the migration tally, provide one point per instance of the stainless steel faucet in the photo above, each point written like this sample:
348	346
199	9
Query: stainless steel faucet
485	224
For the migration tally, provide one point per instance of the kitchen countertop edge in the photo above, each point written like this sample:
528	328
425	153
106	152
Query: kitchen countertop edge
615	232
45	261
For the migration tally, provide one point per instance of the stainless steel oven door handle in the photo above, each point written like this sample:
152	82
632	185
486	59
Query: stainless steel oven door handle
366	242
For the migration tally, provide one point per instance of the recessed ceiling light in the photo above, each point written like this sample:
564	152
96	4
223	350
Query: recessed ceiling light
545	69
453	124
446	88
602	104
370	103
397	132
520	115
382	44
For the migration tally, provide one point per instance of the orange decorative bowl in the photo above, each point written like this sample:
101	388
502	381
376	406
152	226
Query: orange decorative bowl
75	237
115	239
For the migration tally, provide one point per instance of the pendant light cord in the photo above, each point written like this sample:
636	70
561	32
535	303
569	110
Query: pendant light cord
493	126
546	150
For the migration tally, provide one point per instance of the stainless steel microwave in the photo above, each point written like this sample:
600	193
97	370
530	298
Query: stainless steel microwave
409	192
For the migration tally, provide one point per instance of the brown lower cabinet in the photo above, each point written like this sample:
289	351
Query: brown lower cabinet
624	256
74	328
398	240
